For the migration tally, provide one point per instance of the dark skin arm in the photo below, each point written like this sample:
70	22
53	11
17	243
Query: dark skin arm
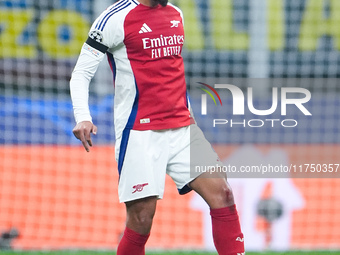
83	132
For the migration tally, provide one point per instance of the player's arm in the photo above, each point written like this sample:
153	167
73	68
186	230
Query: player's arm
89	59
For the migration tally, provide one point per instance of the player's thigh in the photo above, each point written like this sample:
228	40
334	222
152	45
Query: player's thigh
142	172
210	183
189	150
178	167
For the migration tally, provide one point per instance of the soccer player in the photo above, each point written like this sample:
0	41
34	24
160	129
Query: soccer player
143	40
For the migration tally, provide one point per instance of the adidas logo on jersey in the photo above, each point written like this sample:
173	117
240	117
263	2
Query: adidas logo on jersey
145	29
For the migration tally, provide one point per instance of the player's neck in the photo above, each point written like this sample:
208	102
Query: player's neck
150	3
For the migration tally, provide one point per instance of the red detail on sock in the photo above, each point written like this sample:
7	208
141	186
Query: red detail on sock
132	243
227	234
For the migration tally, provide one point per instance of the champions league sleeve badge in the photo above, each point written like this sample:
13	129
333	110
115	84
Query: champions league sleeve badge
96	35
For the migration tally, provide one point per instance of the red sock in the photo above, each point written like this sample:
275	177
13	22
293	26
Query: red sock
228	238
132	243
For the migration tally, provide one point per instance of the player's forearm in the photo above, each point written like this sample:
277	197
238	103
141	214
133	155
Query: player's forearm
79	87
84	70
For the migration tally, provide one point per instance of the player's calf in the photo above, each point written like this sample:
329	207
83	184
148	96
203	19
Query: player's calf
227	234
140	214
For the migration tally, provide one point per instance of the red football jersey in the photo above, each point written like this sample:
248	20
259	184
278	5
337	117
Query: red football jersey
144	46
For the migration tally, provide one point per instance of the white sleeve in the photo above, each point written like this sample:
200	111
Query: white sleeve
106	32
83	72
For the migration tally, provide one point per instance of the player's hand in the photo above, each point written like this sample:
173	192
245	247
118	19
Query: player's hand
83	132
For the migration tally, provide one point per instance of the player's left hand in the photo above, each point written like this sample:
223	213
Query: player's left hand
83	132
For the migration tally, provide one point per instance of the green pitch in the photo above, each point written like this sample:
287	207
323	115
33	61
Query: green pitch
163	253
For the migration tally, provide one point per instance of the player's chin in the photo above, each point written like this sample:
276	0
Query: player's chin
163	2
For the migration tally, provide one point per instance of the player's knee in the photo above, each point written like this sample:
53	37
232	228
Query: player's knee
144	218
140	222
223	197
228	193
140	215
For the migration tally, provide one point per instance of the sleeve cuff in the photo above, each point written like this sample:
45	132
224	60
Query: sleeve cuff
83	118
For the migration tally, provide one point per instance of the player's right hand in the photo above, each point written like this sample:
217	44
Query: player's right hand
83	132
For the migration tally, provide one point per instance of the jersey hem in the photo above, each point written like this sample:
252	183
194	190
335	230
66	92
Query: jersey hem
162	127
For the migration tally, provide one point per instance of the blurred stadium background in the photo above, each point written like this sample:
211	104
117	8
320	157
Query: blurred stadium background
55	196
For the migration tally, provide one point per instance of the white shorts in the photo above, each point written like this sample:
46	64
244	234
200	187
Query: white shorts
144	157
